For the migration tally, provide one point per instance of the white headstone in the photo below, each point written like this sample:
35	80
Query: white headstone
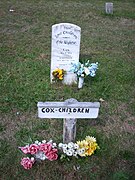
109	8
65	49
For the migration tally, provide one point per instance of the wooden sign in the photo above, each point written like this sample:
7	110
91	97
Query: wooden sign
70	110
62	110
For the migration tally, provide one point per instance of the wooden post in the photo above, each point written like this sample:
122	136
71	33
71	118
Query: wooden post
69	125
69	110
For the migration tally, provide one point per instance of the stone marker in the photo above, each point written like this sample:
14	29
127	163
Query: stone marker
65	49
70	110
109	8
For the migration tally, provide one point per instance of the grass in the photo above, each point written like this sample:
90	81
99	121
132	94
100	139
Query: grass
24	78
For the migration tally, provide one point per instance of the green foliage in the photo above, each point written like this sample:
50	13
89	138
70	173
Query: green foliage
128	155
120	175
2	128
5	147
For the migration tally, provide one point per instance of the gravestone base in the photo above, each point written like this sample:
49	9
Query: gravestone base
70	78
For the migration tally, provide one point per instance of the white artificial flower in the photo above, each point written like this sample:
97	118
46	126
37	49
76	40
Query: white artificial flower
65	146
70	145
82	65
76	146
65	151
44	141
43	157
50	141
40	155
69	153
71	150
74	153
82	75
60	145
36	142
54	145
39	143
32	159
81	151
86	70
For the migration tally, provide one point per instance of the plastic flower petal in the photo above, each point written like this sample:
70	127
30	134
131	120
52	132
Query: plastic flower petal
70	145
76	146
69	153
60	145
85	69
90	139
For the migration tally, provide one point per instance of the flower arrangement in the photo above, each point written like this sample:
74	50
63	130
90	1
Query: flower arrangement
40	151
82	148
85	69
58	74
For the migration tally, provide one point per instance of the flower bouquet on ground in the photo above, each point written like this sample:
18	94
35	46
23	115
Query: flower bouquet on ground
82	148
40	151
83	70
58	74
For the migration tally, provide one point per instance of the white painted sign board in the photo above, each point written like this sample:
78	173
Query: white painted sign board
62	110
65	49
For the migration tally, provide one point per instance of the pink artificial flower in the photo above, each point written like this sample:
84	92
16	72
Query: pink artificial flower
45	147
52	155
27	163
33	148
25	149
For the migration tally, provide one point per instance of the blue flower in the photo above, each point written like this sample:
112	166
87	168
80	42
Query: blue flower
94	65
85	69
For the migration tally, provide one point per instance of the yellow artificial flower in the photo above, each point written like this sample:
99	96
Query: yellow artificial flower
58	74
60	71
60	77
89	152
92	147
82	144
89	145
90	139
